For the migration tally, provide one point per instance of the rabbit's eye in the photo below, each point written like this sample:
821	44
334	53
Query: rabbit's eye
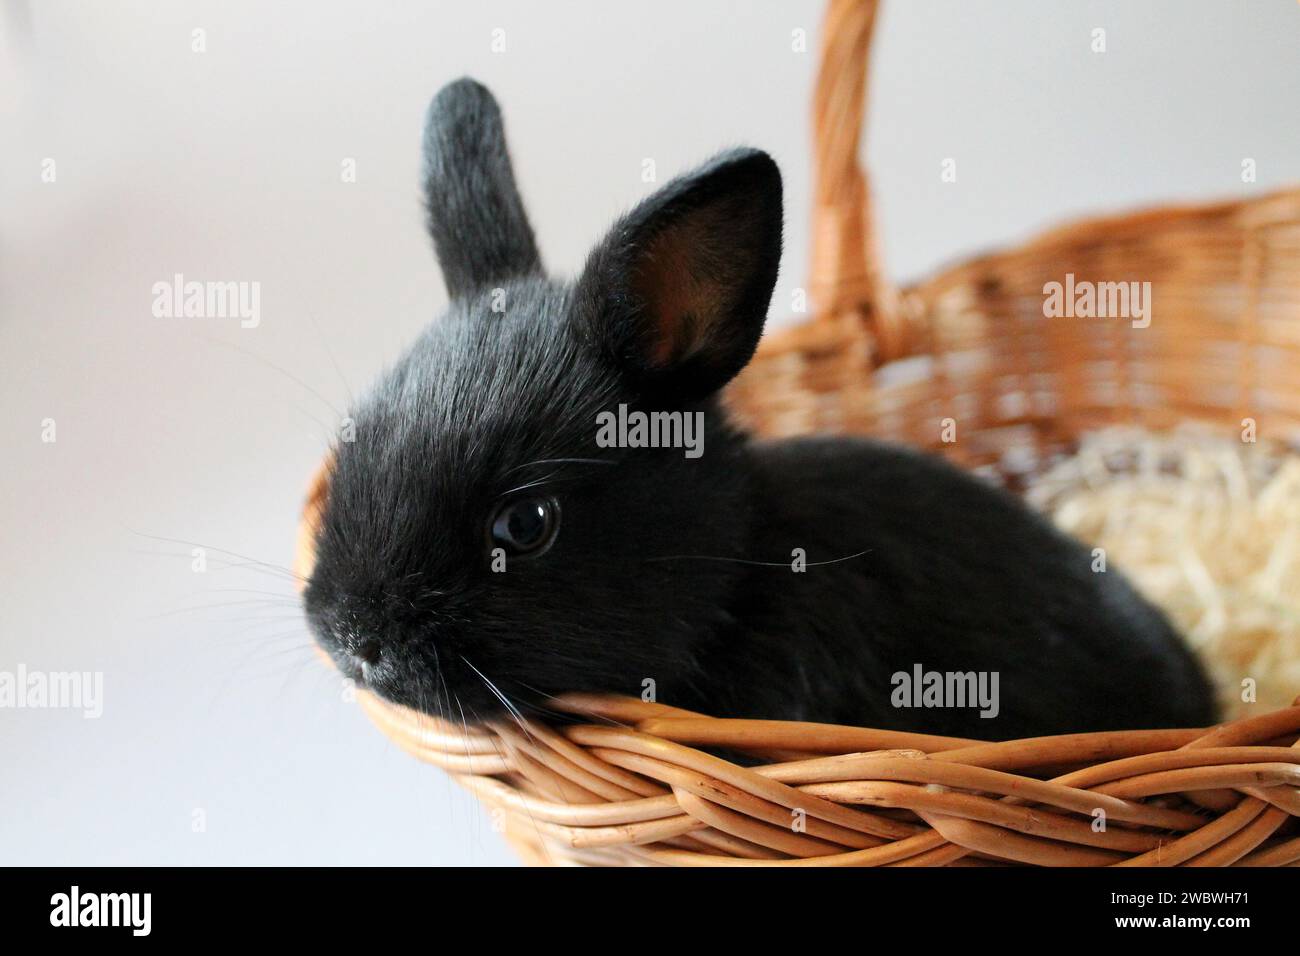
526	526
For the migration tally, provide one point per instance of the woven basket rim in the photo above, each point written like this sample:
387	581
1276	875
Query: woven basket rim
634	782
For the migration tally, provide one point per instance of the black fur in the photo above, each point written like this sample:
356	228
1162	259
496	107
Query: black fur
674	569
475	215
724	221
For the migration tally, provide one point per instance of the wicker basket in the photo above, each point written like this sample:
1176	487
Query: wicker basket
969	346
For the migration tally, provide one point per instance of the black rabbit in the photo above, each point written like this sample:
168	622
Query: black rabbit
481	548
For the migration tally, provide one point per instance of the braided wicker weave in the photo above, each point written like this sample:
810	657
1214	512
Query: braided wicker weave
970	345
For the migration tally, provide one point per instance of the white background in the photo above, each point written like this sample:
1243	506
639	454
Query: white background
225	165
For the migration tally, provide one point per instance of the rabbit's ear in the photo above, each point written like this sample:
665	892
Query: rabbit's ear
677	293
475	215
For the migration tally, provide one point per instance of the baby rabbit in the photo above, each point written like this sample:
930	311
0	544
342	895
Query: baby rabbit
480	550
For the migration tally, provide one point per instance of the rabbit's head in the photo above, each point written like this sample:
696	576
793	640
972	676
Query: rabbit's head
501	525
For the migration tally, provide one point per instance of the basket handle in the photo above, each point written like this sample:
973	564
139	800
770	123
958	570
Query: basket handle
847	273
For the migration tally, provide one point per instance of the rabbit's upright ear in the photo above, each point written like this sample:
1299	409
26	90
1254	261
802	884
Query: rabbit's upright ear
678	292
475	215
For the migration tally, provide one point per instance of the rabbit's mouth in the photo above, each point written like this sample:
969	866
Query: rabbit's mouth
452	689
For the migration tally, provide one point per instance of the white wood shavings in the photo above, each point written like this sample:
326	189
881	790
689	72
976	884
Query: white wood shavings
1208	528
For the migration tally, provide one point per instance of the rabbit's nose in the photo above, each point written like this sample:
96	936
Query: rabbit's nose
368	653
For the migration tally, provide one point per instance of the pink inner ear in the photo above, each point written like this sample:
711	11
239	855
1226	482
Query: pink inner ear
679	303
